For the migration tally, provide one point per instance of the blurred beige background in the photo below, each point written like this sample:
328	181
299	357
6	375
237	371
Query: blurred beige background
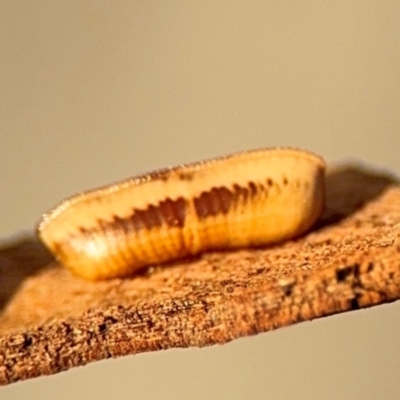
95	91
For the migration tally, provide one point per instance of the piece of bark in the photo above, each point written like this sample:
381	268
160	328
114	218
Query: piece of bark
52	321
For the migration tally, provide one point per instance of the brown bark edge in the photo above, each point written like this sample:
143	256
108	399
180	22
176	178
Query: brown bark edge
51	321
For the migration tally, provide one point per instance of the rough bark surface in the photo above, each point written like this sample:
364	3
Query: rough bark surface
51	321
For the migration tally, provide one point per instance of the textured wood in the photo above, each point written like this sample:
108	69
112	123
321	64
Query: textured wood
52	321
